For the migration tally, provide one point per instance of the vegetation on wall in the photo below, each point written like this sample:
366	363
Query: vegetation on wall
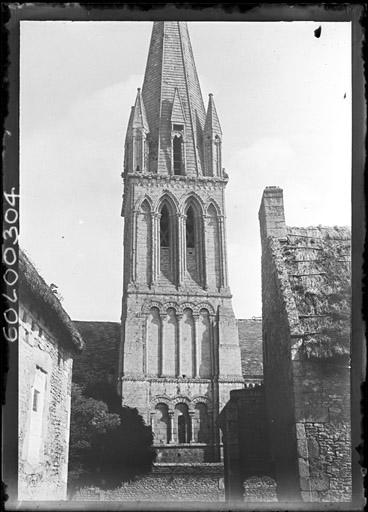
318	263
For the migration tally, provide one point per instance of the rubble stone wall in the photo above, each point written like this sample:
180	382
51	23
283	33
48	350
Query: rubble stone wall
186	482
42	473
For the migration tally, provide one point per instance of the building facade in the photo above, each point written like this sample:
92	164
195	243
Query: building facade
48	342
179	356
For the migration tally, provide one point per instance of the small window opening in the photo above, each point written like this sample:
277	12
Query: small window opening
178	127
177	154
190	228
36	394
164	227
182	429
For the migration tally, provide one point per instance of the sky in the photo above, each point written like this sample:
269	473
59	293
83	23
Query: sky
283	97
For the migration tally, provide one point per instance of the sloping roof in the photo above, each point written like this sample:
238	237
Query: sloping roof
33	288
250	341
170	65
317	261
99	360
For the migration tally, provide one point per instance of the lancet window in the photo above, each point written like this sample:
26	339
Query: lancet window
167	244
164	227
194	243
190	227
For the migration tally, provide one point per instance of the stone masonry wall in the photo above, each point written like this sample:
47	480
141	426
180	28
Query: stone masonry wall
186	482
322	402
44	475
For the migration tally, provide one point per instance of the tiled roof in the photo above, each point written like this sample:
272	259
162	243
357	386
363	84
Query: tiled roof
34	289
250	341
99	360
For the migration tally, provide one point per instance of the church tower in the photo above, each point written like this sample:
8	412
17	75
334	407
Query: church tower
179	355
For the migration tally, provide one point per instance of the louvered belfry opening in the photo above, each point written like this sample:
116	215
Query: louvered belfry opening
178	154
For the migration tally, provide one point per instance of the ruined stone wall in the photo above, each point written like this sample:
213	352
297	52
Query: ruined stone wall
45	367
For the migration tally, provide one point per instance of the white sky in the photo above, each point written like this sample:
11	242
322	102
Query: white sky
284	101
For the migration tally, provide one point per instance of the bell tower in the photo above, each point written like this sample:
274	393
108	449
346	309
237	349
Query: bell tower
179	354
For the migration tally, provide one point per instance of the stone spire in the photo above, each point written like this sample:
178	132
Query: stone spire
171	75
212	141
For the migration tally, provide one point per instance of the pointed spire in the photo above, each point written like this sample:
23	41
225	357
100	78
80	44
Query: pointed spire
170	66
177	114
139	115
212	141
212	124
136	150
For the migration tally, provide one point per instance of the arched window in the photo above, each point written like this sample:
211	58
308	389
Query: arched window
167	243
164	227
183	424
194	242
178	154
190	228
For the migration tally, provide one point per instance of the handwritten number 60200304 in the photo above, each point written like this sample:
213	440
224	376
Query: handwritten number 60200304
10	275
